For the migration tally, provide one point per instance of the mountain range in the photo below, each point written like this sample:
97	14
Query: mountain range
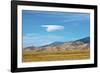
83	43
84	40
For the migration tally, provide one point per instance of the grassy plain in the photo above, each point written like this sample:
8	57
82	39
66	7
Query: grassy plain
34	56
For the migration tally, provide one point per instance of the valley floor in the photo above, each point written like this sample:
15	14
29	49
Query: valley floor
34	56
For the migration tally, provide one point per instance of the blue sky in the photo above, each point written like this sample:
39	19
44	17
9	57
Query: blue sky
44	27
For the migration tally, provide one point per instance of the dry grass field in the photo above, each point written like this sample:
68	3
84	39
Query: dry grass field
35	56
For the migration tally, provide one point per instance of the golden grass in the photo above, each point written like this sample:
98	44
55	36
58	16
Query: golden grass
33	56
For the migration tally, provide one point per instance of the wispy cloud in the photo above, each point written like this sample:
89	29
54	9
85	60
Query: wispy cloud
50	28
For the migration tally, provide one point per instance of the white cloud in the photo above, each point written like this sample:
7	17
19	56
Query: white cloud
50	28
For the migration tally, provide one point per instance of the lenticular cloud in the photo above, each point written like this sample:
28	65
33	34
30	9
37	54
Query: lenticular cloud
50	28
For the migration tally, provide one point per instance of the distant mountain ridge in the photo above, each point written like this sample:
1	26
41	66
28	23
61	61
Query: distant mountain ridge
53	44
61	46
30	48
84	40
